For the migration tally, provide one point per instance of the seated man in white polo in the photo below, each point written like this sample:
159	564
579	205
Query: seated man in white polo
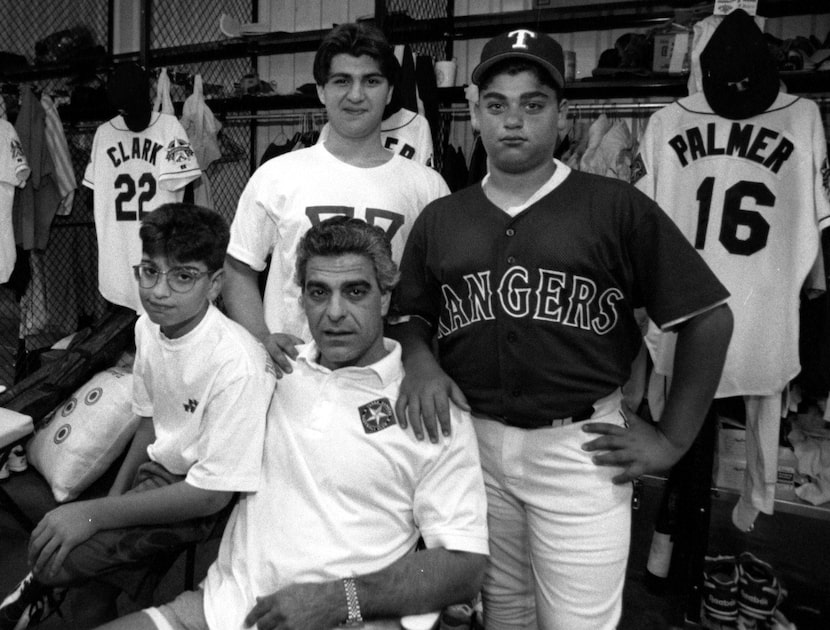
329	537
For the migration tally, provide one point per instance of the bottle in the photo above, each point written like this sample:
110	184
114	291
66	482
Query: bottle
662	542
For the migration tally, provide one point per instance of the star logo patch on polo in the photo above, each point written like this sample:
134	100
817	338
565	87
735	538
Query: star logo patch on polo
376	415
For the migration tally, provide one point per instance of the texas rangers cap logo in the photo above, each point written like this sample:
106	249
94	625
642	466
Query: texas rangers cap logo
376	415
519	37
523	43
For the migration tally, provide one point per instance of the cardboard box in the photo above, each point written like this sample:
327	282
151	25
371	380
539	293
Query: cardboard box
729	473
672	52
731	442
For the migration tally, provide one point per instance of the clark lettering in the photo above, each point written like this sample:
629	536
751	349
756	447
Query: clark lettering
146	150
555	296
758	144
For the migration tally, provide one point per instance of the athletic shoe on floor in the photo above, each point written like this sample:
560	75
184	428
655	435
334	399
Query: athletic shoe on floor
29	603
720	591
17	459
759	591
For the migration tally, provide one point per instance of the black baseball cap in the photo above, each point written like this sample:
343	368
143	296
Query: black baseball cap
739	74
525	44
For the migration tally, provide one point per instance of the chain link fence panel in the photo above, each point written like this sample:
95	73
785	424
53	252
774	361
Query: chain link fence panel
57	289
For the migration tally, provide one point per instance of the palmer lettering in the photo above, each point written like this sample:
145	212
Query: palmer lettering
759	144
553	296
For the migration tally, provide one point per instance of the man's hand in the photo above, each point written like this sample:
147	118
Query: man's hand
60	531
424	400
300	607
639	449
281	347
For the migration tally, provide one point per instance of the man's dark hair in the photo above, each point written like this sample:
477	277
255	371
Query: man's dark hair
515	65
356	39
185	232
342	235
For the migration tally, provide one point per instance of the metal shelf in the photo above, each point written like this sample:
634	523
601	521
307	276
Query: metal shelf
402	29
782	506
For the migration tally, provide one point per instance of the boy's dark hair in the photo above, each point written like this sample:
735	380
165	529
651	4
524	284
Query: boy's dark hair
342	235
356	39
185	232
514	66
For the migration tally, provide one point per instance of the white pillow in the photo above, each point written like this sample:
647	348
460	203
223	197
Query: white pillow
78	441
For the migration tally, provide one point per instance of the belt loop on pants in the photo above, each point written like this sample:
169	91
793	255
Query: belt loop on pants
585	414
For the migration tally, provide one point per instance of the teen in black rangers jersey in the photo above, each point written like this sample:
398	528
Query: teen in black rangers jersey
529	280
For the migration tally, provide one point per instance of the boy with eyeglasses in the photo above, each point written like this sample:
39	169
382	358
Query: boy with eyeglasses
202	385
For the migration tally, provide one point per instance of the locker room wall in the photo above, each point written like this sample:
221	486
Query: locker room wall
291	71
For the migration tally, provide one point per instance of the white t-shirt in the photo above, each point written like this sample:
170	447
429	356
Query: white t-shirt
345	490
208	394
133	173
14	170
290	193
405	132
751	196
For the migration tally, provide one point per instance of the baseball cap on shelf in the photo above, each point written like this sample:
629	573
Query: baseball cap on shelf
739	74
525	44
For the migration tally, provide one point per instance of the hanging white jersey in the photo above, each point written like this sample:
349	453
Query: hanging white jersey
14	170
405	132
133	173
751	196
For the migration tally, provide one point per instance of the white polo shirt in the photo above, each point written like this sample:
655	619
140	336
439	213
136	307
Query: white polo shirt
345	491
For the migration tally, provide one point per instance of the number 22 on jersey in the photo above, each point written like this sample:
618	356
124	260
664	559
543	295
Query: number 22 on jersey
133	196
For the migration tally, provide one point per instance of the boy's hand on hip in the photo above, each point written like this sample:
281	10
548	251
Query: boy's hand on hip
639	448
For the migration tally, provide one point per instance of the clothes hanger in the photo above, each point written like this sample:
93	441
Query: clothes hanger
280	138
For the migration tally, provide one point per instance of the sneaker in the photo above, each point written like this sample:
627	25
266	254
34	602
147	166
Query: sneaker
759	591
30	602
17	459
720	590
48	604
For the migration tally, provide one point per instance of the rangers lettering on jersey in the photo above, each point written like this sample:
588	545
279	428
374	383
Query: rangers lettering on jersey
556	297
759	144
146	150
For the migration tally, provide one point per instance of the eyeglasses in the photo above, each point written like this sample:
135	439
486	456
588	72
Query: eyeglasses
179	279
